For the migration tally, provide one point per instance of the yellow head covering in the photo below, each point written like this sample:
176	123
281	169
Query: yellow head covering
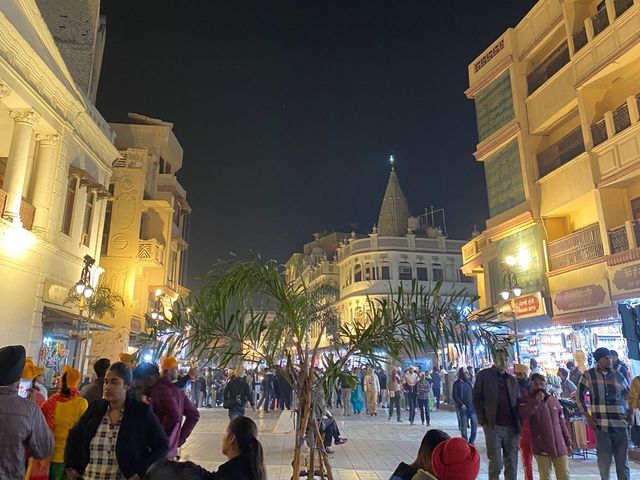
73	376
167	363
31	370
519	368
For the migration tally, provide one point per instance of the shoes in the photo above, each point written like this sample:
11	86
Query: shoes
389	419
410	423
428	424
341	441
400	421
329	451
423	423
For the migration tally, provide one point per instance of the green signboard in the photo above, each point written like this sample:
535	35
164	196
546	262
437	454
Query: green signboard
494	106
504	179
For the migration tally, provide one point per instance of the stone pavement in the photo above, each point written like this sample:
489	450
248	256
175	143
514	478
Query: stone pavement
375	446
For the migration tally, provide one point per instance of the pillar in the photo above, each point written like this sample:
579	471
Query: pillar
15	175
43	180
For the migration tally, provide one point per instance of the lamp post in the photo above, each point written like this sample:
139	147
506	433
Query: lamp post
157	314
85	291
510	292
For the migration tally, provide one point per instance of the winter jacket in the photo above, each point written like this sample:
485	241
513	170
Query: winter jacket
238	468
141	440
62	413
22	424
371	383
382	379
237	388
423	388
462	394
485	395
549	434
170	404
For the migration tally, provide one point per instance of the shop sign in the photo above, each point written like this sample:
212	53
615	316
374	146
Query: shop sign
626	278
529	305
57	293
580	298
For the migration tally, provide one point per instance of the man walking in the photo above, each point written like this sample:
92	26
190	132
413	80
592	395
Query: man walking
436	384
608	389
384	394
495	399
236	394
93	391
410	380
346	383
462	395
371	391
394	382
170	404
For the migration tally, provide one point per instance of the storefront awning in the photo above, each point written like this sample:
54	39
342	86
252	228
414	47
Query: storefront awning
56	319
591	316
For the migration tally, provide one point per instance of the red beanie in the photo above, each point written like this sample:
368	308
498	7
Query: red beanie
455	459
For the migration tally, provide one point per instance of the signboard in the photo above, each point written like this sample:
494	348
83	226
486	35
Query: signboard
625	279
586	297
529	305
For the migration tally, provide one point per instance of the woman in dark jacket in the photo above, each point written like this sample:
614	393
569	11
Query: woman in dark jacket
117	436
244	451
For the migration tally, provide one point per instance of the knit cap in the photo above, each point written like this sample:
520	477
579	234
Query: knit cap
455	459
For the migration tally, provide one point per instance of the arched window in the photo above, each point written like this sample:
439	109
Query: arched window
404	271
357	273
422	273
438	272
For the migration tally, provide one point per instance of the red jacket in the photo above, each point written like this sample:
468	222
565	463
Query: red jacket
549	434
170	404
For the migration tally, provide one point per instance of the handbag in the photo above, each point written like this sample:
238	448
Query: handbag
233	402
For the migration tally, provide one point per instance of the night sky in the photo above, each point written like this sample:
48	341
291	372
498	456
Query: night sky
288	110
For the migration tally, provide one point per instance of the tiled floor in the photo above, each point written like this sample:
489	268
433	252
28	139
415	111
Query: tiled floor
374	449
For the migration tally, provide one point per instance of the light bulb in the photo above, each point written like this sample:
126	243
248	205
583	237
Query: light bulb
154	315
80	286
517	291
505	295
88	292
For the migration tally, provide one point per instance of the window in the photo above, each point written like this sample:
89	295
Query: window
88	219
107	227
164	167
421	272
404	271
385	272
635	208
70	200
357	273
438	272
370	272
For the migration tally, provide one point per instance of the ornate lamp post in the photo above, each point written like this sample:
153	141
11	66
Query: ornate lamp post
157	314
85	291
510	292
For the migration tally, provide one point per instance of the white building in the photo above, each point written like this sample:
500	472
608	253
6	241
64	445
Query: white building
56	153
400	249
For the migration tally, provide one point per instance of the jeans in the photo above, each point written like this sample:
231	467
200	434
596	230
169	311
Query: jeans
502	451
436	396
346	401
331	432
613	446
423	405
463	421
395	400
411	403
236	411
560	465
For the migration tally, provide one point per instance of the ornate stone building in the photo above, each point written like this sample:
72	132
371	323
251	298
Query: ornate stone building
56	153
144	240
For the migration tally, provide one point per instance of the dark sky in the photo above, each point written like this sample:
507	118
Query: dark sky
288	110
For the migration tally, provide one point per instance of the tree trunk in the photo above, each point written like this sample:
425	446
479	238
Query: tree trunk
305	406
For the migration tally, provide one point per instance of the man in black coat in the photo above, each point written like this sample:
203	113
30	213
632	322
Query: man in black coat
236	395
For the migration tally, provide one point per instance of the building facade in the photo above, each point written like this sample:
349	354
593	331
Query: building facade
399	250
56	153
144	242
556	102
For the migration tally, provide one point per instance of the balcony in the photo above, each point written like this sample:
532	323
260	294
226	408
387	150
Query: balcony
548	68
150	251
27	211
561	152
600	21
580	39
621	118
625	237
598	132
169	182
581	246
621	6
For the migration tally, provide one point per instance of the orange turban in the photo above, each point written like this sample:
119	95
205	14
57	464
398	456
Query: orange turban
73	376
30	370
167	363
519	368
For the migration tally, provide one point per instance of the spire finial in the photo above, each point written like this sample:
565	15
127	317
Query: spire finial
391	161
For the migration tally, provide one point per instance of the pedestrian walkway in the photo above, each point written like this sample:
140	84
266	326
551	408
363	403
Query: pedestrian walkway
375	446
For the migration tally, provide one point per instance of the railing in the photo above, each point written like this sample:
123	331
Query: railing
600	21
549	67
151	250
599	132
561	152
618	240
621	6
621	118
580	39
581	246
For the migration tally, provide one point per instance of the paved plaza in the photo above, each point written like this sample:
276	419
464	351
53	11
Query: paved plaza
374	449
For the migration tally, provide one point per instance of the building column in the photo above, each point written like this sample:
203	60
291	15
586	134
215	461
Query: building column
43	180
15	175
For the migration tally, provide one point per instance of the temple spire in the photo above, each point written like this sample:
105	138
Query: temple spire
394	212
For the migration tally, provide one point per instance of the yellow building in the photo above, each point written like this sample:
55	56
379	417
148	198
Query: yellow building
144	239
557	101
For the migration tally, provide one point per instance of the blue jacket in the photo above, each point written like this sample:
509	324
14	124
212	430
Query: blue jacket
462	394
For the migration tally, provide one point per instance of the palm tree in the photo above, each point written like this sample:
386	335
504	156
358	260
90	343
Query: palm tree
103	301
248	311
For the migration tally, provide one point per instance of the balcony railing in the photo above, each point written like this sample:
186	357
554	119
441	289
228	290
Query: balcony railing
561	152
549	67
581	246
621	118
151	250
599	132
618	240
600	21
580	39
621	6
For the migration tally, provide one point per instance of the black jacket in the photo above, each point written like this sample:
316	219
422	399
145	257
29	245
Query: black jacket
462	394
235	469
141	439
237	388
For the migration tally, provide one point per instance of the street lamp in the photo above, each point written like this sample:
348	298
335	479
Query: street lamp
85	291
511	291
157	314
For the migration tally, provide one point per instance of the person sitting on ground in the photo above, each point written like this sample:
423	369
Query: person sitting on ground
422	463
454	459
326	423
